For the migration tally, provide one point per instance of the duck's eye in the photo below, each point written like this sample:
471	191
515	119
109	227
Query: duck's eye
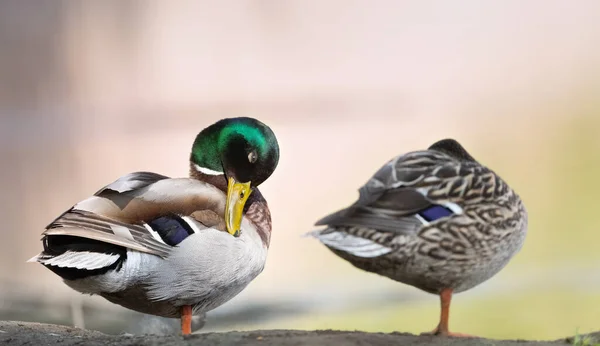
252	156
242	194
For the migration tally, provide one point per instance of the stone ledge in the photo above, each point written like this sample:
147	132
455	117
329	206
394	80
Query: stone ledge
26	333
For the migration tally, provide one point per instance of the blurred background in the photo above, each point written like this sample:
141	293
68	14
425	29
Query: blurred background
91	90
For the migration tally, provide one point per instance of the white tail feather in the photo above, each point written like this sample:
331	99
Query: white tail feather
81	260
353	245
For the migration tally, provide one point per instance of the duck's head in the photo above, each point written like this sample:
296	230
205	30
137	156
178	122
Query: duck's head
242	150
452	148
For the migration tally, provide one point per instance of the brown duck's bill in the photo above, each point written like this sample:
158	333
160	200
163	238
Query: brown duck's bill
237	195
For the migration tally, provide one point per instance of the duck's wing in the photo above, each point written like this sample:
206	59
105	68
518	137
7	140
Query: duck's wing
409	192
132	181
400	190
141	211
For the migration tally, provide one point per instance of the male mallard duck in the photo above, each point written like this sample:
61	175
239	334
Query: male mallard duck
173	247
435	219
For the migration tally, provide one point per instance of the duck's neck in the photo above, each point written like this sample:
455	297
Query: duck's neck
217	180
257	211
256	208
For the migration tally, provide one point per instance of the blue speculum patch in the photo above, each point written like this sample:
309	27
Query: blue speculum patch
435	212
172	229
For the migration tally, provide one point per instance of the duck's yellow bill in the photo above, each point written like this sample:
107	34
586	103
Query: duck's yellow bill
237	195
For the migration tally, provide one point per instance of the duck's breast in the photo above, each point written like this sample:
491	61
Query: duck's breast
209	268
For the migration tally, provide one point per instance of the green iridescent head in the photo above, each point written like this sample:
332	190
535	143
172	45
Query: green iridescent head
243	149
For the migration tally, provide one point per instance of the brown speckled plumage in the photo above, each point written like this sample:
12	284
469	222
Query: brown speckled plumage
385	231
260	215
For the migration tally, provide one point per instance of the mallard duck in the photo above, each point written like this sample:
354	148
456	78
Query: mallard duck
173	247
435	219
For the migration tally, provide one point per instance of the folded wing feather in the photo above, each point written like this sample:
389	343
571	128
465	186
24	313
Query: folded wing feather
124	214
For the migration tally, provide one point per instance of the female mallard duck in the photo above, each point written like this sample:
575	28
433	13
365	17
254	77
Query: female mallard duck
435	219
173	247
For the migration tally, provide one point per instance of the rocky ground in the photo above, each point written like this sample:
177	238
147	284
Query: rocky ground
24	333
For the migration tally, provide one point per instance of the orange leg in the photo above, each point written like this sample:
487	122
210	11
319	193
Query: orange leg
442	328
186	319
